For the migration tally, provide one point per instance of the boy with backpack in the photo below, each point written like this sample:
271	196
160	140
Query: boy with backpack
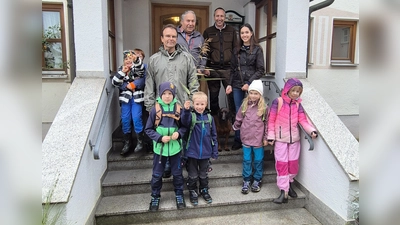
201	146
164	128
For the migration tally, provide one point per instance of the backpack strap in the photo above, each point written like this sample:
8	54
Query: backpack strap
158	114
194	121
280	103
176	115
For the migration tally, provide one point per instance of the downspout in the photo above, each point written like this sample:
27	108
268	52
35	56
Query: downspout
71	46
314	8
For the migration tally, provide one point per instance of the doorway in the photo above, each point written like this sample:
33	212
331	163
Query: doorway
163	14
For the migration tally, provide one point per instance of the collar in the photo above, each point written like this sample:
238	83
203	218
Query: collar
221	28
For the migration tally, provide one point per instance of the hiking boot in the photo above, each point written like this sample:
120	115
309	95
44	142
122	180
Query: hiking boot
193	197
139	145
206	195
245	187
154	204
236	146
180	201
281	199
291	192
256	186
127	144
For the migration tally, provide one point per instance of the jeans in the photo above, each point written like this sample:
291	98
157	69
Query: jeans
238	96
131	111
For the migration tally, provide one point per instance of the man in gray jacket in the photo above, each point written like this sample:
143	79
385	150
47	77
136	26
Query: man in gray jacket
171	63
191	40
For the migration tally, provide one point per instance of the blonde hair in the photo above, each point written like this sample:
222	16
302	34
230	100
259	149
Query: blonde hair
199	95
261	105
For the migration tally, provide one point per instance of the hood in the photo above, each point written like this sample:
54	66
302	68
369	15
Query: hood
288	85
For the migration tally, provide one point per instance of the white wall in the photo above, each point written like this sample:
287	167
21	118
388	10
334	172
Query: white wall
339	87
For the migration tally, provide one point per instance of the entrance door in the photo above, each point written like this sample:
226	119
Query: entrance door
163	14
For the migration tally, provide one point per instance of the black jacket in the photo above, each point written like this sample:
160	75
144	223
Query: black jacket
221	46
251	65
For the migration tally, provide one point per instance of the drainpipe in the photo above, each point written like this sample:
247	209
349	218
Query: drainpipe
314	8
71	47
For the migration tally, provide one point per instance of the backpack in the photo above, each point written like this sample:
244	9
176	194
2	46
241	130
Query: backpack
194	121
175	115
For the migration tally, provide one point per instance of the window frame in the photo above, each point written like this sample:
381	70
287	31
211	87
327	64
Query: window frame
352	25
268	38
59	73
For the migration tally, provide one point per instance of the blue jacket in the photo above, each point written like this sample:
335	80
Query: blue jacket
202	143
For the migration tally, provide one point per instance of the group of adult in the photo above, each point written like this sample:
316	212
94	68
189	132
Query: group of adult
233	58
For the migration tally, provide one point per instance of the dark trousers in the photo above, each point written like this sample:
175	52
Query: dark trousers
197	170
158	170
214	87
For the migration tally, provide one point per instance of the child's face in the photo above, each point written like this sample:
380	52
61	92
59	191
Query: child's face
167	96
295	92
254	95
128	62
200	104
139	55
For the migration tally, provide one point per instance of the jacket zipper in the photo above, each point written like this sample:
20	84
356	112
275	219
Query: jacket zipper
290	120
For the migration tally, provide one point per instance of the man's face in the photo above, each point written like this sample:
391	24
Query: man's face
169	39
219	17
188	23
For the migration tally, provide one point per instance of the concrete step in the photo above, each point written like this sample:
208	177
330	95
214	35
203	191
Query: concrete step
133	209
122	182
145	160
297	216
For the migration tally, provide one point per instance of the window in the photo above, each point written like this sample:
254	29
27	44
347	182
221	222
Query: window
266	21
112	57
343	42
53	39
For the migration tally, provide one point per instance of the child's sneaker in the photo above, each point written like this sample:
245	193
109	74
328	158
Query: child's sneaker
245	187
180	201
154	204
206	195
256	187
193	197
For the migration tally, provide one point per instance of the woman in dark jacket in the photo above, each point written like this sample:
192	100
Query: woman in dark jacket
247	64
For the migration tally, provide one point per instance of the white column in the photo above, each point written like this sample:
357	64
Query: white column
91	38
291	37
250	14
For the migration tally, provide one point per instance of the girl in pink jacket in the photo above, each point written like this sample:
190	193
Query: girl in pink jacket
285	113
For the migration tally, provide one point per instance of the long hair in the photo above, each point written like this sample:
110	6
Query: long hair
253	39
261	106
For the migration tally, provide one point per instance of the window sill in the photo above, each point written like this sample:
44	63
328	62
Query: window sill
344	64
54	74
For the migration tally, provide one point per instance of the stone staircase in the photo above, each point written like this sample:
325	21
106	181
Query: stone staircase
126	195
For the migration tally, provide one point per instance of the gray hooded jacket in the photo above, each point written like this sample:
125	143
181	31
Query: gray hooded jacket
177	68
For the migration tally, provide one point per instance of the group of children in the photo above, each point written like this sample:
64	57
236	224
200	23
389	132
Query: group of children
168	123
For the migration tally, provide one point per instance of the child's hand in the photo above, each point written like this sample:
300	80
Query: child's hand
165	139
187	104
125	69
133	57
271	142
314	135
131	86
265	142
175	136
